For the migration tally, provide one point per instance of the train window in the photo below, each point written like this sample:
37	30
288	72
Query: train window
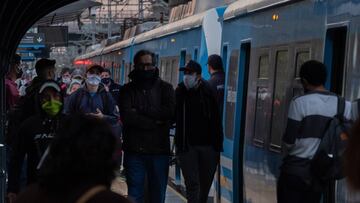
167	77
224	56
264	67
175	72
261	124
196	54
231	93
301	57
162	68
281	98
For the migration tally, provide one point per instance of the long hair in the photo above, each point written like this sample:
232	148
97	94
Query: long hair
81	153
352	158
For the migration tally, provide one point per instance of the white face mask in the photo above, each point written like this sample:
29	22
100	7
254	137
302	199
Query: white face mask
93	80
66	80
190	81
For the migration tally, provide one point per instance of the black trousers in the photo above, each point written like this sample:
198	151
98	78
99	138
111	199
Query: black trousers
292	189
198	166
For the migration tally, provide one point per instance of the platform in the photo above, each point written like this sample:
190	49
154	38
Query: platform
119	186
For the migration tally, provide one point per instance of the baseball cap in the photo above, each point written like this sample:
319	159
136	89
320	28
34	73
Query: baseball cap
49	84
77	73
192	66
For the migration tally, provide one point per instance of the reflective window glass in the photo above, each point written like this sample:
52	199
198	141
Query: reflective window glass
281	97
231	93
264	67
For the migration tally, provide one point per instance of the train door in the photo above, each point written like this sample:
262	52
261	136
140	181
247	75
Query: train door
240	118
334	59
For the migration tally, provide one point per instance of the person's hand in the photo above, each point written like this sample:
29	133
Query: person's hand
11	197
98	114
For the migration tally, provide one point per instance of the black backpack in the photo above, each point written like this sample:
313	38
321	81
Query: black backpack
327	163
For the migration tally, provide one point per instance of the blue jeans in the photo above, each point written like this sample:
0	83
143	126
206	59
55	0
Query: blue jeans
155	168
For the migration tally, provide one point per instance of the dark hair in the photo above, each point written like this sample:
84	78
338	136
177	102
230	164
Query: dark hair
314	72
352	157
81	153
65	70
141	53
43	65
106	71
95	69
215	62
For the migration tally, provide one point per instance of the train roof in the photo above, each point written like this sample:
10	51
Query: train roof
248	6
118	46
177	26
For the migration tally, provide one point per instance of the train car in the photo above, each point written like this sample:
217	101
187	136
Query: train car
264	43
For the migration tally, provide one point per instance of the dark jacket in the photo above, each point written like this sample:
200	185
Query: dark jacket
217	83
81	101
32	139
28	101
146	112
26	107
114	89
197	112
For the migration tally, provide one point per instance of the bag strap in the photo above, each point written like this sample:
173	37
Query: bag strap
340	107
91	193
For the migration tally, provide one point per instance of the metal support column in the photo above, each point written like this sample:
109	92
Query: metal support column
3	171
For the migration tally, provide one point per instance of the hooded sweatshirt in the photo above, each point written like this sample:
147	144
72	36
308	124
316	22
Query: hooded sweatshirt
32	139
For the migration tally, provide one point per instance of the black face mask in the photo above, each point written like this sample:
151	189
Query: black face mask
146	74
106	81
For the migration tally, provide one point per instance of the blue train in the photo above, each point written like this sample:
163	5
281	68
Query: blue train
263	44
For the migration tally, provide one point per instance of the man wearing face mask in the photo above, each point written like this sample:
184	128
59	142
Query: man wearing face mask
147	106
35	135
93	99
199	135
110	85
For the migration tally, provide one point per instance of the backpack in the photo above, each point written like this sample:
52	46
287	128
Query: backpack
327	163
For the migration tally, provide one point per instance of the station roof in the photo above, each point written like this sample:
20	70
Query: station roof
16	17
67	13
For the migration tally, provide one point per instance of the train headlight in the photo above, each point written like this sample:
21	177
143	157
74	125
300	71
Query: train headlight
275	17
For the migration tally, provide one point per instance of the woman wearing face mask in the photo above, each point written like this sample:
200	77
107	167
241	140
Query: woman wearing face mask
34	135
199	134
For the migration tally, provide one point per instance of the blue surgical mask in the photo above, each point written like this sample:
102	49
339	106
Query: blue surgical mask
190	81
66	80
93	80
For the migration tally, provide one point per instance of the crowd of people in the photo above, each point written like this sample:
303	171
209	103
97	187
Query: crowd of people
67	132
64	134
